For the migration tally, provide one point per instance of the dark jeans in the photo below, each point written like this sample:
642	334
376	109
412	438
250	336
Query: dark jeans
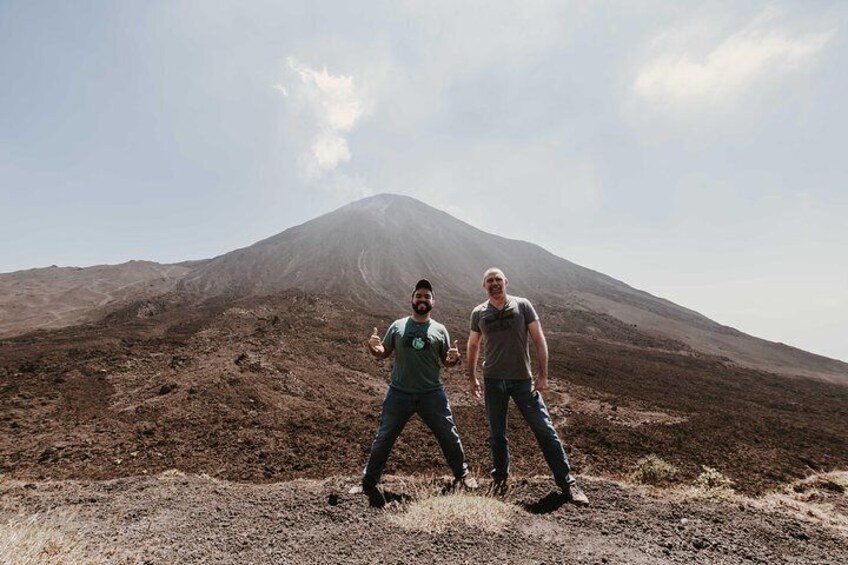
532	407
434	409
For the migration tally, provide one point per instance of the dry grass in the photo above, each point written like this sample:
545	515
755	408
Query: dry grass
821	499
436	513
28	540
652	470
711	481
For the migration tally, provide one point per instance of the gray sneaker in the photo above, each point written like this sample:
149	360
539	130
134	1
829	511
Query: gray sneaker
575	495
467	482
355	489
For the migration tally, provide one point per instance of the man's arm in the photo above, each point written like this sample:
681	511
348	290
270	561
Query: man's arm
472	352
541	344
376	347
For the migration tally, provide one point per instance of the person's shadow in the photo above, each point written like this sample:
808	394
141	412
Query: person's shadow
547	504
378	497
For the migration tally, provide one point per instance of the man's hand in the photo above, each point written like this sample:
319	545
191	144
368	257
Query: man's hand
471	353
375	344
453	355
540	383
474	386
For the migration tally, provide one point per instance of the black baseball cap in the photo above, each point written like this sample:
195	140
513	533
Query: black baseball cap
423	283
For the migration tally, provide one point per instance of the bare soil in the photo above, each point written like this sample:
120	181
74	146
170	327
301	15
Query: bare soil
282	388
190	519
256	393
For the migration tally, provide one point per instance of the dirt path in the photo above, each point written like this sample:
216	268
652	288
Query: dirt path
174	518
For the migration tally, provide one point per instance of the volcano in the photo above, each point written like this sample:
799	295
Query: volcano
370	251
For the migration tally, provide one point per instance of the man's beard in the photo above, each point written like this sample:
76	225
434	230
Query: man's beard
422	308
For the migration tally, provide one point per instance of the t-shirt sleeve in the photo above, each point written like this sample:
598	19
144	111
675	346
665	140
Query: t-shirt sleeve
528	312
475	320
389	338
445	345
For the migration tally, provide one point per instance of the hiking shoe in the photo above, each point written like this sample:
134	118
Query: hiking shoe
575	495
365	487
499	487
376	496
467	482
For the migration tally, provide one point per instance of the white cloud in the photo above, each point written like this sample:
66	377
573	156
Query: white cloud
682	76
328	151
328	107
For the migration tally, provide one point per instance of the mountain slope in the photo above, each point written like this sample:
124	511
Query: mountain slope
55	297
375	246
371	250
368	253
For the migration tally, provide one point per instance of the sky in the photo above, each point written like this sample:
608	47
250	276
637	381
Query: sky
694	150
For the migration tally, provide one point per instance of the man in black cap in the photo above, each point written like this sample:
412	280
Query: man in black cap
421	344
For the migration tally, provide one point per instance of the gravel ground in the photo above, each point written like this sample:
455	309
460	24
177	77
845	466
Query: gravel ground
171	518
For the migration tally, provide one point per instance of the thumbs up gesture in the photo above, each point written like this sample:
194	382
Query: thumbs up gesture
375	344
453	354
374	340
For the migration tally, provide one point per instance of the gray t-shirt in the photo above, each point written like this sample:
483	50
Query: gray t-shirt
419	350
506	353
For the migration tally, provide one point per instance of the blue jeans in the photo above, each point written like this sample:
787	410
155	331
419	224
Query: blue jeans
532	407
434	409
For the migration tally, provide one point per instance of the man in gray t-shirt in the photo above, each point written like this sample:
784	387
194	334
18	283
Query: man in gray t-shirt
503	323
507	352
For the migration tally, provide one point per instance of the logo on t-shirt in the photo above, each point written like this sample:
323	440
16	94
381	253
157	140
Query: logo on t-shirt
416	342
499	321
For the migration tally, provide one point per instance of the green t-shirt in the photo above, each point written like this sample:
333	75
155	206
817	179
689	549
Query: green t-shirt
419	350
